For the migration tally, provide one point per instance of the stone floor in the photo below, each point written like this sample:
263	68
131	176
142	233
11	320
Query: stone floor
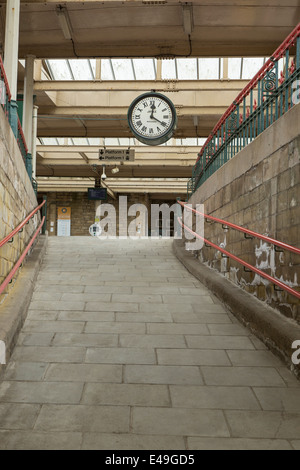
124	349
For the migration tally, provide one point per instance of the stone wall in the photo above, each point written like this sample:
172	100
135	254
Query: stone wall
17	198
259	189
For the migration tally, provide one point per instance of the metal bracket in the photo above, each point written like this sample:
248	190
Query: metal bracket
278	250
248	237
206	244
247	270
278	289
11	240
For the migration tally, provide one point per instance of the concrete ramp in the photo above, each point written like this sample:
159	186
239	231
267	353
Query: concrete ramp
123	348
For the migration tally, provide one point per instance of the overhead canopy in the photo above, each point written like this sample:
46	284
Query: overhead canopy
98	56
165	28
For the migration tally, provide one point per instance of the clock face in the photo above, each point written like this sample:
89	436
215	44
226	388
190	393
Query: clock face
152	118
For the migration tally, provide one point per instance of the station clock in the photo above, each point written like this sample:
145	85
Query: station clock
152	118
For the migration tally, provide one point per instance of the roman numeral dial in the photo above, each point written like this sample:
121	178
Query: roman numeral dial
152	118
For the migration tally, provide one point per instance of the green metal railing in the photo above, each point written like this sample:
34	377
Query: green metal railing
22	145
270	94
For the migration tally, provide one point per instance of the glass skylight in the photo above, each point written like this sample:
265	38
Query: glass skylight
187	69
49	141
113	141
209	69
234	68
251	66
82	69
122	69
94	141
107	70
145	69
80	141
60	69
168	69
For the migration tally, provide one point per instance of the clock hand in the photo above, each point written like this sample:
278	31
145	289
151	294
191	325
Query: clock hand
153	107
156	119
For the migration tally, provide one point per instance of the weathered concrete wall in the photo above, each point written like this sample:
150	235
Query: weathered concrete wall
259	189
17	198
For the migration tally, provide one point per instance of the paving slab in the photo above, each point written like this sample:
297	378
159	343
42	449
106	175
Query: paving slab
263	424
209	397
33	440
162	374
83	418
25	371
220	443
126	394
136	353
85	373
40	392
95	441
179	421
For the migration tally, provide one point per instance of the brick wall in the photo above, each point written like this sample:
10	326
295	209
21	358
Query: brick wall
84	211
259	189
17	198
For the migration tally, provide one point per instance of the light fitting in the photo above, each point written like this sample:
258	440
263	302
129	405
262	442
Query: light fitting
64	21
115	170
188	23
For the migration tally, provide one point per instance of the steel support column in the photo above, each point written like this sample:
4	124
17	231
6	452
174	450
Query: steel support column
34	137
28	101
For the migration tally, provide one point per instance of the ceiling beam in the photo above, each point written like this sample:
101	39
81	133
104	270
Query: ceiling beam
155	186
168	85
85	158
100	108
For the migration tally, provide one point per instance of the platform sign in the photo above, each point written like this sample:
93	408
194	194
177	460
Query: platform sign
63	221
116	155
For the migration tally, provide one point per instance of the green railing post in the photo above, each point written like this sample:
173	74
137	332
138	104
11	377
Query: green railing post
28	164
298	53
35	186
13	117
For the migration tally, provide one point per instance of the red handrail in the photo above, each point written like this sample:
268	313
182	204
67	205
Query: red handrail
21	225
20	260
253	82
285	246
247	265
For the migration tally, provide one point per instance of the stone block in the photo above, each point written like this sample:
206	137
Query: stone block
179	421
